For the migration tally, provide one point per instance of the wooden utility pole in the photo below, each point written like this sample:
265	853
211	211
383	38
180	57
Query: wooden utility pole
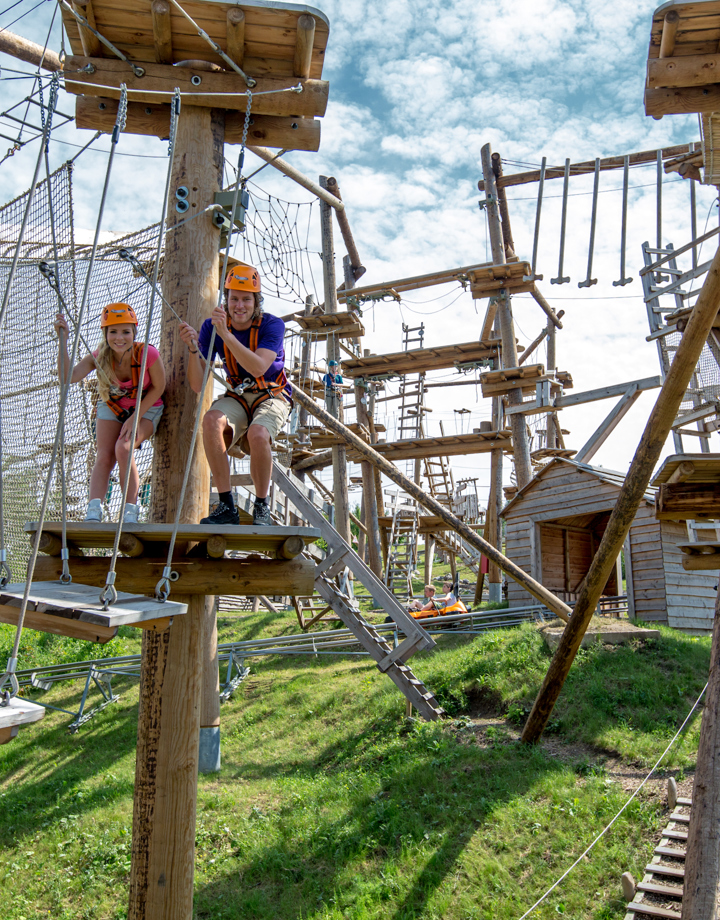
521	446
333	398
702	862
171	679
647	455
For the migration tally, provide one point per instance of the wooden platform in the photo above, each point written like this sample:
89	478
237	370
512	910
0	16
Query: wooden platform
395	364
82	602
278	45
484	282
705	468
428	523
17	713
683	60
149	538
496	383
448	446
346	325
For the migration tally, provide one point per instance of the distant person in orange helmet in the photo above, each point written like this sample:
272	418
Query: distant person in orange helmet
117	361
255	409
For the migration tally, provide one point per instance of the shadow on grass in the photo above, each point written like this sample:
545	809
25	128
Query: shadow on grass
46	766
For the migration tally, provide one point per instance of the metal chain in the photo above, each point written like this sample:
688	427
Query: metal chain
109	595
162	589
10	675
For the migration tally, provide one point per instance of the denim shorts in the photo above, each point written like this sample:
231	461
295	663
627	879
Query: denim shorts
152	415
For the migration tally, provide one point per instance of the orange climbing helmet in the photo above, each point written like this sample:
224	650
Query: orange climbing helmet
243	278
115	313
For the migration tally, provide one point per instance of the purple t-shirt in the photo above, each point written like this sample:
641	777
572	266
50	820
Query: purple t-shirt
270	335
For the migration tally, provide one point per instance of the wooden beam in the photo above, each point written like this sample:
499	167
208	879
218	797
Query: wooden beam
22	49
546	308
684	470
59	626
358	269
687	501
292	173
91	44
415	283
433	506
196	576
682	101
689	70
216	90
162	31
98	114
669	31
587	166
235	35
304	45
608	425
615	389
631	494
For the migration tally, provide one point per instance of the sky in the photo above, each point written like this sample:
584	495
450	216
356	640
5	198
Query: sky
416	89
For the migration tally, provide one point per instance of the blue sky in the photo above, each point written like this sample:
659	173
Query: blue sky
416	90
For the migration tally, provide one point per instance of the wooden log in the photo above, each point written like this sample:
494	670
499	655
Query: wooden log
196	575
669	31
508	241
684	470
682	100
24	50
433	506
691	70
130	545
58	626
99	114
291	548
292	173
358	269
547	309
91	44
235	35
216	88
162	31
216	546
369	497
631	494
49	543
702	860
171	677
304	45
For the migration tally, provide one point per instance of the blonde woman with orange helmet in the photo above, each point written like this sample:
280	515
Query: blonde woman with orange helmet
117	360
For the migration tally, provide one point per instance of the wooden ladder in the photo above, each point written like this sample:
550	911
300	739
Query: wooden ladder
402	550
391	661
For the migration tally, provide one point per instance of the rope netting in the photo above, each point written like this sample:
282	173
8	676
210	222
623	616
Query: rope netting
28	372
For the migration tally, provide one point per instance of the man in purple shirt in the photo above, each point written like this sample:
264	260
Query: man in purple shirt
257	403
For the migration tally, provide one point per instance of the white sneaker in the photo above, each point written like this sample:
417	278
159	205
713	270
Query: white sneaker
131	513
94	511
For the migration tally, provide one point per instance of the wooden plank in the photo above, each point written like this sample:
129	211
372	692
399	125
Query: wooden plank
662	890
450	446
158	84
669	871
681	101
82	602
413	283
687	500
678	853
59	626
616	389
99	114
162	31
706	468
688	70
420	359
17	713
195	576
305	37
650	910
235	35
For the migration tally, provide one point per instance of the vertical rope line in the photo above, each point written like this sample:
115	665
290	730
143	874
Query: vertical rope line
12	661
109	593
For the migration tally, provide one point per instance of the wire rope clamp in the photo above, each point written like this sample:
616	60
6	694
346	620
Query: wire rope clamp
109	593
5	573
162	589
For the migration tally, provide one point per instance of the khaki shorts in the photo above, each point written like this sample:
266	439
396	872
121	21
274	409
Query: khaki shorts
272	415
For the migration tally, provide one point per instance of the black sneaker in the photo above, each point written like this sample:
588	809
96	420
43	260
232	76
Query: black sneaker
222	514
261	515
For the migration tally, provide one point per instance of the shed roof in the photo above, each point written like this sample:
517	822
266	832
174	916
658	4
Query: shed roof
612	477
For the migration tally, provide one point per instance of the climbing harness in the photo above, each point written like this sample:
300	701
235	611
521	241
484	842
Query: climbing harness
268	389
10	675
109	593
162	589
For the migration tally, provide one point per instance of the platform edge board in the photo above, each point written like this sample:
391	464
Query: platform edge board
20	712
186	531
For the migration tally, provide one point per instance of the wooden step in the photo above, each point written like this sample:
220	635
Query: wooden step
663	890
669	871
669	851
650	910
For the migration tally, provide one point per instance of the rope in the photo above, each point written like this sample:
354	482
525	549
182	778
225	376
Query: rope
218	50
162	589
109	593
9	674
607	828
138	71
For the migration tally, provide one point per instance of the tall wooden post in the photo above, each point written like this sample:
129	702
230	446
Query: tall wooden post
333	400
171	679
521	446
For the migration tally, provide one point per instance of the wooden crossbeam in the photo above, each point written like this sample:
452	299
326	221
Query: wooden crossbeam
449	446
421	359
414	283
235	35
162	31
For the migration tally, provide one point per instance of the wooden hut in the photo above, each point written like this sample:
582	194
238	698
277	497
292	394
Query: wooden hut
555	524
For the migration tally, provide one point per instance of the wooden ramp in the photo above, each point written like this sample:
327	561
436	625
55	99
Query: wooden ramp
17	713
81	604
395	364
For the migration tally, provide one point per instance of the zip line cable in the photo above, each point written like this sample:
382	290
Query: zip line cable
10	674
109	593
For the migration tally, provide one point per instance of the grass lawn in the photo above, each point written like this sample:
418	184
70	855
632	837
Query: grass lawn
331	805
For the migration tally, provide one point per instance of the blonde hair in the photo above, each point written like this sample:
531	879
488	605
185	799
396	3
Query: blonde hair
107	382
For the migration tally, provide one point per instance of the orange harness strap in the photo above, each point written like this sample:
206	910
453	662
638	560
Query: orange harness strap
268	388
135	364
